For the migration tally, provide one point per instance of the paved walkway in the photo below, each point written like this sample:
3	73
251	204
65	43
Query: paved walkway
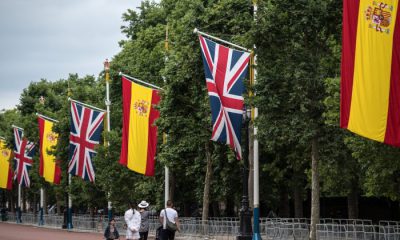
10	231
13	231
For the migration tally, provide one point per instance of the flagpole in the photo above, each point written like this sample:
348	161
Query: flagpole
86	105
133	79
47	118
166	169
41	221
256	173
69	213
108	104
19	220
196	31
41	210
17	127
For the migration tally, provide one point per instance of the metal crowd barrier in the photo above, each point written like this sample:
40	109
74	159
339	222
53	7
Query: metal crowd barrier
228	228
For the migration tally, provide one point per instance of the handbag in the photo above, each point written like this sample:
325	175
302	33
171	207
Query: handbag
158	232
170	225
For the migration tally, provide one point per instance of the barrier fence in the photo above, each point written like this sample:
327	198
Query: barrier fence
228	228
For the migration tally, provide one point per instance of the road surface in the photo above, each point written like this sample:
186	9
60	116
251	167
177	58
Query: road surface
10	231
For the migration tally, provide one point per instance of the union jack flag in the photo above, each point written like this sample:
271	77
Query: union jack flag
23	153
86	127
225	70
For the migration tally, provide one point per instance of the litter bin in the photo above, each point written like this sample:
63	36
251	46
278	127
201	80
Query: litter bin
3	213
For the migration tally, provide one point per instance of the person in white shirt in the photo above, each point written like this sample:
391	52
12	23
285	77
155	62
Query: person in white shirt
132	220
172	215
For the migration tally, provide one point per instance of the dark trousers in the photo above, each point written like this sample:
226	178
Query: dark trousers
167	234
143	235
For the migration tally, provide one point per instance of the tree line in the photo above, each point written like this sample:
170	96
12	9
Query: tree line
298	48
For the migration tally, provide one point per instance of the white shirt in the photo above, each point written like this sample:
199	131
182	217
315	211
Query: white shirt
172	214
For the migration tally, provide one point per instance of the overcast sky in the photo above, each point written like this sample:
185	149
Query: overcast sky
51	38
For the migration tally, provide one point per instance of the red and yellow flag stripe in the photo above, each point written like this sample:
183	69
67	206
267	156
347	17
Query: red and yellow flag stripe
370	84
139	134
48	167
6	173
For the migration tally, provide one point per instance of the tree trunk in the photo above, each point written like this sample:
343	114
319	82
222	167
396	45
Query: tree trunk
314	189
216	209
23	201
59	201
298	201
352	201
230	206
186	209
284	209
45	210
12	203
207	183
35	204
251	165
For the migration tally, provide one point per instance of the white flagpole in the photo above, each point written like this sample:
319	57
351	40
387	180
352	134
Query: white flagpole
19	220
41	210
133	79
86	105
69	213
256	192
17	127
108	104
196	31
166	169
47	118
41	221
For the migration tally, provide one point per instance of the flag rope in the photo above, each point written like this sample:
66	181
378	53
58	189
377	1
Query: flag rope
47	118
133	79
86	105
221	40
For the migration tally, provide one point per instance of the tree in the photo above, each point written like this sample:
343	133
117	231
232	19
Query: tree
295	47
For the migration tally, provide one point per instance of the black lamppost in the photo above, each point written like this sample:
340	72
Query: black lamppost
245	231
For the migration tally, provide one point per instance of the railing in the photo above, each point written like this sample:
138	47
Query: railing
228	228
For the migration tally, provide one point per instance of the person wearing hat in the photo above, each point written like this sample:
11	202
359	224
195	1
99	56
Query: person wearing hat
144	224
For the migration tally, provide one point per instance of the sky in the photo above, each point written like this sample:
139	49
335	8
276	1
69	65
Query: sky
49	39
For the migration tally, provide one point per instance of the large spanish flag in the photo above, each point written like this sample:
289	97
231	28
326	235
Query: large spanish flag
139	134
48	167
6	174
370	84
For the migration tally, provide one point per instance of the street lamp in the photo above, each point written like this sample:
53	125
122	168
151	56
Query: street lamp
245	231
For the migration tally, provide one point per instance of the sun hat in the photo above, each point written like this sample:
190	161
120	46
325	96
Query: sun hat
143	204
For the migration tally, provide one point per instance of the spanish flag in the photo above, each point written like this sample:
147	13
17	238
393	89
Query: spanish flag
370	78
139	134
6	174
48	167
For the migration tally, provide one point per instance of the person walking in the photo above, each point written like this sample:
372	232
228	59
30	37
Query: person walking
132	220
144	223
111	231
171	215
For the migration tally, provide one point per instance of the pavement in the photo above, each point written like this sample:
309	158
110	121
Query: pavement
12	231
